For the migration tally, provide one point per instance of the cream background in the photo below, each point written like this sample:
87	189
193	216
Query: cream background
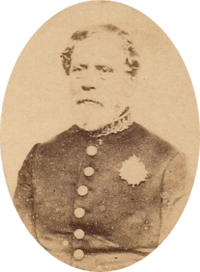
36	103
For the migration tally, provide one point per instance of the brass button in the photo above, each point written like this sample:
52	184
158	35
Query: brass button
78	254
91	150
79	234
88	171
82	190
79	212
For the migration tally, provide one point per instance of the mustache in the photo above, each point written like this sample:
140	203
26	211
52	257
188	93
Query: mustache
89	100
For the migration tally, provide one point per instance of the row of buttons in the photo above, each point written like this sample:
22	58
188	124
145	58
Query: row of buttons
80	212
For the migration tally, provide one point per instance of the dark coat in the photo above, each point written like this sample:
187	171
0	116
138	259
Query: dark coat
122	215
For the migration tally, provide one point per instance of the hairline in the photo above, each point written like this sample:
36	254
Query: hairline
81	35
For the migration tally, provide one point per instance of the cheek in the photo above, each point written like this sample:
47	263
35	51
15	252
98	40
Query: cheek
123	86
74	85
117	95
115	88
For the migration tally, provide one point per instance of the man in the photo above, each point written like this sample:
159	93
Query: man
105	193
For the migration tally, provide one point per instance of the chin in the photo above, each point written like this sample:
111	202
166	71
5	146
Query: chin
87	126
91	123
91	119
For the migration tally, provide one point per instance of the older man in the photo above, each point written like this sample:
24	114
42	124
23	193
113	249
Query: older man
103	194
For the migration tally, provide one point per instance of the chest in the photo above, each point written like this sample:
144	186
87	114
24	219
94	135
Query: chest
108	184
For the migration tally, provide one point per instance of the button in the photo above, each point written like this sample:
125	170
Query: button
65	243
79	234
91	150
82	190
79	212
78	254
89	171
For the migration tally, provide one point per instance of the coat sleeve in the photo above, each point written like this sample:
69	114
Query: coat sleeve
23	197
174	194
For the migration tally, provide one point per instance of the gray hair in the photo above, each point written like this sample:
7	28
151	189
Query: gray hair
131	55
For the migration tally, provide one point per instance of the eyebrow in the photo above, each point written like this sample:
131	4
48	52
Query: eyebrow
103	66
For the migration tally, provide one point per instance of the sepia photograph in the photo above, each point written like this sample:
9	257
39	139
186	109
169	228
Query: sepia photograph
99	138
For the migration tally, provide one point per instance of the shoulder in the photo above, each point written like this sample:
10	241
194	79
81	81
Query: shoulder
162	158
149	146
57	143
161	153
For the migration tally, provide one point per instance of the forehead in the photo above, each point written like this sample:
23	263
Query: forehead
102	47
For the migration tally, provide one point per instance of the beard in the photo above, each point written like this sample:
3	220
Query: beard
91	116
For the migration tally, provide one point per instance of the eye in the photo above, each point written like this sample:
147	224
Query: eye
79	68
104	69
76	69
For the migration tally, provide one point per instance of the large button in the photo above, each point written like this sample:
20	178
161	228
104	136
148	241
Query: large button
79	234
78	254
88	171
82	190
79	212
91	150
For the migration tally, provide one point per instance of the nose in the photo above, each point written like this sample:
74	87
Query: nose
88	79
87	88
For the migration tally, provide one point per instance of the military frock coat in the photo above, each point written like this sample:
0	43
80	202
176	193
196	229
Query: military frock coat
101	203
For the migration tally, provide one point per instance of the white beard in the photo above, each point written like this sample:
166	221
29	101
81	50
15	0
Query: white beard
93	117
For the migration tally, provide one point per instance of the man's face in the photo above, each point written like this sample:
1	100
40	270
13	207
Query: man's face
99	85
